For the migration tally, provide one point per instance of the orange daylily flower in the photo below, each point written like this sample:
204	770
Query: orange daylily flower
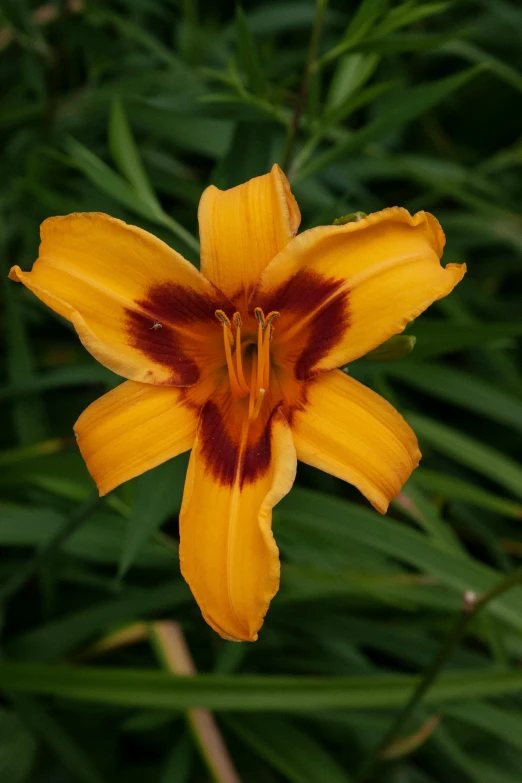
239	363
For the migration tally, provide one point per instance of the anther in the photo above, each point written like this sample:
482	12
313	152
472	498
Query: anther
271	317
223	317
260	316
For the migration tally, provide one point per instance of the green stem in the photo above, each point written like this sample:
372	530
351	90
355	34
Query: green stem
70	526
311	60
471	605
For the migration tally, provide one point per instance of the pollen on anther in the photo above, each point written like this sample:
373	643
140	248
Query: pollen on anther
271	317
223	317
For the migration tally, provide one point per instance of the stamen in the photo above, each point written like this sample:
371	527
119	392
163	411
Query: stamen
260	370
260	357
223	317
251	401
271	317
228	338
266	356
239	359
259	402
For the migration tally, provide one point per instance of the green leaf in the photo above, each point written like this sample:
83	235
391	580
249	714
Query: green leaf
408	13
28	414
452	488
280	17
467	451
395	348
60	377
334	524
437	338
158	495
17	748
61	636
364	19
47	728
99	540
127	157
108	181
407	106
115	186
248	55
249	154
189	132
354	101
289	749
461	389
179	762
352	72
247	693
414	503
499	722
477	55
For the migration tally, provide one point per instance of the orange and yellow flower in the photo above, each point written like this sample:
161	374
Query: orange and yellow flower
239	363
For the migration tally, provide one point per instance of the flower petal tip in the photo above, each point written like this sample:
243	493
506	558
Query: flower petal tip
236	634
14	274
457	270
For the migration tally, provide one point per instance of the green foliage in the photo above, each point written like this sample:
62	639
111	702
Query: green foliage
133	109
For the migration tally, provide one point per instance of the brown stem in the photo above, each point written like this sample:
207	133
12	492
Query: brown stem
172	650
470	607
311	59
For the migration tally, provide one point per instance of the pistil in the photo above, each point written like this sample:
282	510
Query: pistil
239	358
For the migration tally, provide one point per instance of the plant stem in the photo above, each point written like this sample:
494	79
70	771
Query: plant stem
70	526
470	607
172	651
311	60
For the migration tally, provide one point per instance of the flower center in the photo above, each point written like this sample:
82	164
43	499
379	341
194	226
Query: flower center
257	387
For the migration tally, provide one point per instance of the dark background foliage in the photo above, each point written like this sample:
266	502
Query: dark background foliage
133	108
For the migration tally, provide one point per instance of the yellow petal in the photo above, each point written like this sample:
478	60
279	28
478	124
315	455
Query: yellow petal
138	306
137	426
344	290
243	228
349	431
237	473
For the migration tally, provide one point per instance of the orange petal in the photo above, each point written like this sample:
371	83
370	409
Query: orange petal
349	431
138	306
243	228
137	426
237	472
344	290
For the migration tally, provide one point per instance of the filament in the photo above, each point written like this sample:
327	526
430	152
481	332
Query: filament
239	359
258	404
235	388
